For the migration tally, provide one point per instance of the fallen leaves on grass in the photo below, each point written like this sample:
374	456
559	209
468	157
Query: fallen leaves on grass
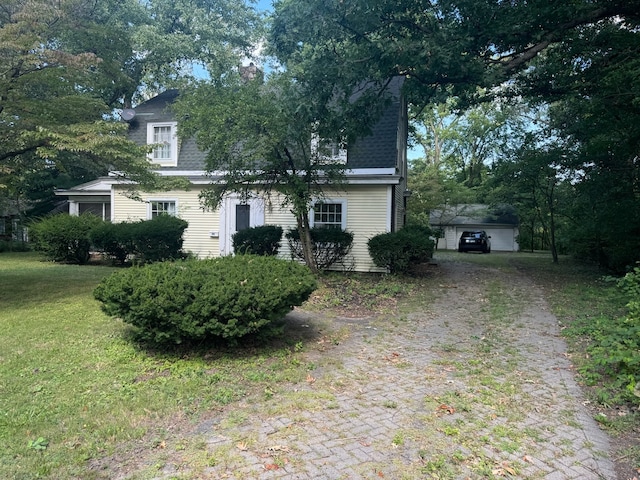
446	409
503	470
394	357
278	448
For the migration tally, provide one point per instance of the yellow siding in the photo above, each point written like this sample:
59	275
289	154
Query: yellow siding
197	238
367	215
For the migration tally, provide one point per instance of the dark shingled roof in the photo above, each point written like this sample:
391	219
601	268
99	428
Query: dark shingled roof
474	214
158	109
378	150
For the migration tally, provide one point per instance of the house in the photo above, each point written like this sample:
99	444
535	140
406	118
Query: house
499	222
371	201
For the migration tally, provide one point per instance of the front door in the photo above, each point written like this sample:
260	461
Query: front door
237	214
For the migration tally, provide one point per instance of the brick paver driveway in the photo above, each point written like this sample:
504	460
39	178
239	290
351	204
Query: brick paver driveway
469	380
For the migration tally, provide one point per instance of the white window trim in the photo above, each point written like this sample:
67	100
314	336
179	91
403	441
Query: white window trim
173	160
149	201
340	158
341	201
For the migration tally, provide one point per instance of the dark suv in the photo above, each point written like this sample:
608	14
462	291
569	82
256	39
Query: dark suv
474	240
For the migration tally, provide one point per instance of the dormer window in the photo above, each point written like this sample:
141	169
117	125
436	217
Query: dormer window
329	151
165	140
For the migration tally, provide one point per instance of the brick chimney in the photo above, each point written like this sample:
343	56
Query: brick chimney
250	72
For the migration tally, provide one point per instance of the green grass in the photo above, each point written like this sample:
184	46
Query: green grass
74	388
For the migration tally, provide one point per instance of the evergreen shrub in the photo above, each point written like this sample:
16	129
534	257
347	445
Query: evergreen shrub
64	237
330	245
401	250
157	239
262	240
197	300
114	240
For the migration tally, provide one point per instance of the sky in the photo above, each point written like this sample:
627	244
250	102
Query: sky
264	5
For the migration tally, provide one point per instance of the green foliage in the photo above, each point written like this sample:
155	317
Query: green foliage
400	251
262	240
67	66
330	246
38	444
199	300
614	350
114	240
157	239
64	237
13	246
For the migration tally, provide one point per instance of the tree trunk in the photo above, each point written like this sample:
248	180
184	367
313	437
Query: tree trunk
304	230
552	222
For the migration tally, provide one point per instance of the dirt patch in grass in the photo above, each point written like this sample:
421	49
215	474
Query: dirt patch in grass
365	295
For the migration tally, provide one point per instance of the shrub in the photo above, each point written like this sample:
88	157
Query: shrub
615	351
114	240
158	239
13	246
64	237
330	245
400	251
196	300
263	240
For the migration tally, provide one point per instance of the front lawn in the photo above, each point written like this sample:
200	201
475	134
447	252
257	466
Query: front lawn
74	388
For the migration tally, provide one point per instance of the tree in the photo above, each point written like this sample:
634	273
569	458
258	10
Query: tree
446	47
65	66
578	58
258	136
533	182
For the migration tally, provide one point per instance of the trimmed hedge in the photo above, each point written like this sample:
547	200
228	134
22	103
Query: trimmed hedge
400	251
196	300
70	238
262	240
147	240
64	237
158	239
114	240
330	245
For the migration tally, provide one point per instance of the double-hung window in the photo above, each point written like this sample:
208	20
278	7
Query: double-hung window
162	207
329	151
163	137
329	215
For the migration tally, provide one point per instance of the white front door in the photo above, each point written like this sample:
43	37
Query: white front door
237	214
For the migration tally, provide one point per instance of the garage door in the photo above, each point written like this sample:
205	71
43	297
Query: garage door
501	238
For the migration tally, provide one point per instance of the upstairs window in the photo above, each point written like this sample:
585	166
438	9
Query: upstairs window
162	207
165	140
329	151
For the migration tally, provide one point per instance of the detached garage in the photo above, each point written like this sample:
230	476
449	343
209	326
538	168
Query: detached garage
500	223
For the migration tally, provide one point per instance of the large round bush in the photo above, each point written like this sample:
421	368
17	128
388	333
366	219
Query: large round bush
195	300
400	251
64	237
